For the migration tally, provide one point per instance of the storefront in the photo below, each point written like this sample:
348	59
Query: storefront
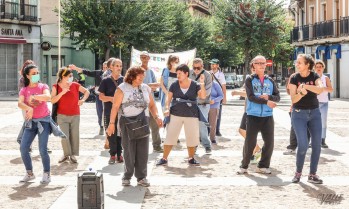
17	44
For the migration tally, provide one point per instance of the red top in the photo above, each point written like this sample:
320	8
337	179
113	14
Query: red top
68	103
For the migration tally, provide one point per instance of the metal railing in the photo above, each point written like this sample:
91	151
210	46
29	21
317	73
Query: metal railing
294	34
9	10
325	29
13	10
29	12
344	25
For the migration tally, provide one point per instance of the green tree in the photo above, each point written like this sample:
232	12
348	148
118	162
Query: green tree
255	25
102	25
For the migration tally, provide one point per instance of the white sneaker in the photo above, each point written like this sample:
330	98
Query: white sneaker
263	170
27	178
143	182
46	178
241	171
289	152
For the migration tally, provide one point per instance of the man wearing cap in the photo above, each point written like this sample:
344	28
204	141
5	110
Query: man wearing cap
219	77
150	80
204	104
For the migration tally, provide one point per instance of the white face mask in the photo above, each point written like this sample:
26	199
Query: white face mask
70	79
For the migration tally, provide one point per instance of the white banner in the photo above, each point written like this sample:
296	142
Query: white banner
158	62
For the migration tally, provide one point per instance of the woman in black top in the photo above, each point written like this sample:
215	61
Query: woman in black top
183	95
304	87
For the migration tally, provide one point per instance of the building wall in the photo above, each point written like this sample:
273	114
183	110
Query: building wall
344	72
70	54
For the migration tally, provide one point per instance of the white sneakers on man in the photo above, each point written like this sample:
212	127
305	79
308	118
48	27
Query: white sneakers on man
28	177
46	178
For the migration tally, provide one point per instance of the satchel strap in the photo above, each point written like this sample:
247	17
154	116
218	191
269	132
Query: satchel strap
134	103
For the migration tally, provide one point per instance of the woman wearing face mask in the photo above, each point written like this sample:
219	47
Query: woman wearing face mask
33	99
66	93
168	77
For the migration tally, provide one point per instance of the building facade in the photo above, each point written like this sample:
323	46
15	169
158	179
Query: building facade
69	53
322	29
19	39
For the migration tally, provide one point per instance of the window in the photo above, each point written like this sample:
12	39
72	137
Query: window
55	66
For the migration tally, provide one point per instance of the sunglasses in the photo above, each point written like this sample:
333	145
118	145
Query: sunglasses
196	68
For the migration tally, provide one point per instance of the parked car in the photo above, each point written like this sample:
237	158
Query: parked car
231	80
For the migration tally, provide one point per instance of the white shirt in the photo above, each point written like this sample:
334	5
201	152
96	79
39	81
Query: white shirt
220	76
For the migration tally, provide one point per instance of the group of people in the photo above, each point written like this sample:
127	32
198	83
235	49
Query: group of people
191	98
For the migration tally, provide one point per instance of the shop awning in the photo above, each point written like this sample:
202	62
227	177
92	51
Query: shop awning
12	40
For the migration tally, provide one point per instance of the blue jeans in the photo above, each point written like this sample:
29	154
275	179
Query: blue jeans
28	138
303	120
323	106
205	141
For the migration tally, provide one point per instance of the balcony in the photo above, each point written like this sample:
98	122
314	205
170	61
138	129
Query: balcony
344	26
12	10
29	12
326	29
9	10
294	34
320	30
203	6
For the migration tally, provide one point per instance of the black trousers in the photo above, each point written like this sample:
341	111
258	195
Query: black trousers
293	139
114	139
254	125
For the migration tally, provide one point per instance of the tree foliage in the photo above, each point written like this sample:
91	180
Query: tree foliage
103	25
255	25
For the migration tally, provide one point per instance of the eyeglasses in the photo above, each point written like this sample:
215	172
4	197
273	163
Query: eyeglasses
260	63
196	68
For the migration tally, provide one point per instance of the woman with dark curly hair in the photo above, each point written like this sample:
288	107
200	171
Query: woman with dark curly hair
134	100
304	87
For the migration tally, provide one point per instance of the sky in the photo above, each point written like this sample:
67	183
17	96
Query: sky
287	2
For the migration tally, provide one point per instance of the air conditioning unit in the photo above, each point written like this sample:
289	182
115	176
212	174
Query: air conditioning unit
21	17
300	35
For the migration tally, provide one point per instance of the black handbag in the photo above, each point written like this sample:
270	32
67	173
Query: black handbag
55	108
137	127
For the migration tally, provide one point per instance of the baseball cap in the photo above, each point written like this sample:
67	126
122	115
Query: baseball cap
214	61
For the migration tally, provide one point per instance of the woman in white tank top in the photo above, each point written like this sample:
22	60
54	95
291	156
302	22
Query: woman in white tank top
323	98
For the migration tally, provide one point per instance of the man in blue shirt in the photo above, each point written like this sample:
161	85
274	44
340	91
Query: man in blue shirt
150	80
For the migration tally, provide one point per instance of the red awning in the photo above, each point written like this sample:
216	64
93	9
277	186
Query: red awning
12	40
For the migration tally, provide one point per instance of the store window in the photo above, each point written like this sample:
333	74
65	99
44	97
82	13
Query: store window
8	67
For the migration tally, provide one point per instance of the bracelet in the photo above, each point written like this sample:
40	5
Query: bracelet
111	123
157	117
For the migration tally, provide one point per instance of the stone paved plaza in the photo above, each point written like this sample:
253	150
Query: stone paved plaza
212	185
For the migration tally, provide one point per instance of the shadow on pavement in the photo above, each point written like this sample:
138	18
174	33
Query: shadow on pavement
329	151
24	191
18	160
190	171
130	194
317	191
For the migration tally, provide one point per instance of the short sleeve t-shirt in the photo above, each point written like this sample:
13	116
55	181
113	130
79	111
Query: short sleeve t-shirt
108	88
135	100
40	108
185	109
309	101
68	104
